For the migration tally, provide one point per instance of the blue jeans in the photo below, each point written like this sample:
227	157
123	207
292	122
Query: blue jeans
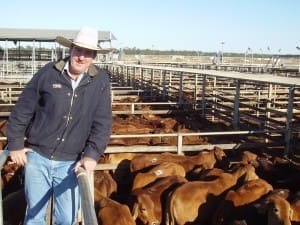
44	178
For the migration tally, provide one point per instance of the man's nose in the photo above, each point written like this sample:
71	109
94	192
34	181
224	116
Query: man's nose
81	56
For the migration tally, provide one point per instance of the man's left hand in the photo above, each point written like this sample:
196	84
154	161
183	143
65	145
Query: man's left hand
87	163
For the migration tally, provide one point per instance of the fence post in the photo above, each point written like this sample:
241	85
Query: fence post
179	144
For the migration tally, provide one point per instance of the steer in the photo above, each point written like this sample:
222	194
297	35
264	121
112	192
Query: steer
162	170
111	212
208	159
204	159
149	203
281	211
295	205
3	124
14	207
195	201
12	177
141	161
240	204
104	184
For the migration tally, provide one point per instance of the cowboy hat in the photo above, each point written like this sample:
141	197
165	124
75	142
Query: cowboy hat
86	38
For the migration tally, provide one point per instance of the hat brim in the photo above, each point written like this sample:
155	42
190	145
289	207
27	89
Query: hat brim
67	43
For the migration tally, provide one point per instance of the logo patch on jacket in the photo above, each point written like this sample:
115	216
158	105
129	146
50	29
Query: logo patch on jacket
56	85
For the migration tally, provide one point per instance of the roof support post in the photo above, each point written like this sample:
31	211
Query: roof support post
5	71
63	53
33	57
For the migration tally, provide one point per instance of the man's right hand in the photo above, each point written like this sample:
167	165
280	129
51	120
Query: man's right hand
19	156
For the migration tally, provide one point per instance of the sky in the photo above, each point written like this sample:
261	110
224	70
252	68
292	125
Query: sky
262	26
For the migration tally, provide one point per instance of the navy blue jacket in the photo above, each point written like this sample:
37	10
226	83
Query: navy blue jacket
60	123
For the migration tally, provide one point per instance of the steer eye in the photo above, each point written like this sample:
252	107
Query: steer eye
275	210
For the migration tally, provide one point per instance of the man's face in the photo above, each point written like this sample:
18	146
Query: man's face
81	59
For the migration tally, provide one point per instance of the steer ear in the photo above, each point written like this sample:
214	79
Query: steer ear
135	211
291	214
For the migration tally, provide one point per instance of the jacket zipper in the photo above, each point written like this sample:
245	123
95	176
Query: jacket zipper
70	109
67	123
72	100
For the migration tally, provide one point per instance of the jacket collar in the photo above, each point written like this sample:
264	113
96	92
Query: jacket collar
92	70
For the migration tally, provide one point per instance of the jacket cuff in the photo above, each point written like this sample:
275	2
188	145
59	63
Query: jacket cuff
92	153
14	145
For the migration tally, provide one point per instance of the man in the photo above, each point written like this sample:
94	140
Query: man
65	114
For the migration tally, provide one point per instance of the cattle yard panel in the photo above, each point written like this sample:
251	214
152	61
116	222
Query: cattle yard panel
179	147
244	104
291	69
163	108
252	108
19	71
243	101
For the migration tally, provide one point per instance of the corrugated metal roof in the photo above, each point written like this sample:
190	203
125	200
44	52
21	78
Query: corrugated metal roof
13	34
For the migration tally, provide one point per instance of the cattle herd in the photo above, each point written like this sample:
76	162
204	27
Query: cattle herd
210	187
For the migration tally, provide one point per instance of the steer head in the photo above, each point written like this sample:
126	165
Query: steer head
276	207
146	211
221	157
279	211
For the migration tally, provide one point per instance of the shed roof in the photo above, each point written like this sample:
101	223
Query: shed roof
49	35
